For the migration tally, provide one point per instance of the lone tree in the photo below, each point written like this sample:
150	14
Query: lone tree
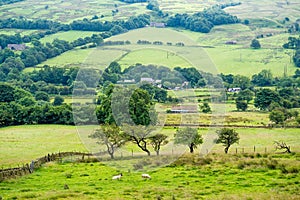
282	145
188	136
255	44
227	137
157	141
139	135
110	136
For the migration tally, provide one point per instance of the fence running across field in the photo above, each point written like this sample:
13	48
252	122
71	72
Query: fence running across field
28	168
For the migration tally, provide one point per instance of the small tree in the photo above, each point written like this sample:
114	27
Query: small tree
227	137
157	141
139	135
205	108
282	145
58	100
241	105
277	116
255	44
41	96
111	136
188	136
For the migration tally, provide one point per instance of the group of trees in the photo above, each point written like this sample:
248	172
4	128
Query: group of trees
202	21
115	27
286	94
113	137
294	43
18	106
41	52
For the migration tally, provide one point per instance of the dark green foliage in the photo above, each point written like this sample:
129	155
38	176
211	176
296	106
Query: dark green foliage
227	137
4	2
277	116
255	44
58	100
156	93
202	21
42	96
265	97
188	136
6	93
263	78
241	105
205	108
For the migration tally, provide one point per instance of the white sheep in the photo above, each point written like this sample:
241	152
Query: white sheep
146	176
118	177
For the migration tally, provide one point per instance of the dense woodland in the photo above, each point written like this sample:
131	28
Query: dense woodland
202	21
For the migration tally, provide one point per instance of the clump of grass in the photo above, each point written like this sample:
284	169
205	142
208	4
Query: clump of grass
68	175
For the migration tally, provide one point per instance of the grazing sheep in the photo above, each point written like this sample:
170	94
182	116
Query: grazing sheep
146	176
118	177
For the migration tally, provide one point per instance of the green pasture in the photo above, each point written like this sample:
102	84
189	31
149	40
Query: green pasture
221	58
246	61
212	177
274	11
154	34
21	144
66	11
14	31
153	56
69	36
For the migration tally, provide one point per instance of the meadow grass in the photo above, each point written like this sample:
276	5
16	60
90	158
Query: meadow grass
65	11
191	177
21	144
235	59
153	56
69	36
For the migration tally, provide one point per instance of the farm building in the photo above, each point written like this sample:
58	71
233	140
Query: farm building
126	81
234	89
231	42
16	47
148	80
157	24
184	109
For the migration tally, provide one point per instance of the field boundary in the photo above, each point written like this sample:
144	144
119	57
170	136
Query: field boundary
29	168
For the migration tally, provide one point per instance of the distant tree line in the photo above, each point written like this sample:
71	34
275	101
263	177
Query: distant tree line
294	43
5	2
18	106
284	96
202	21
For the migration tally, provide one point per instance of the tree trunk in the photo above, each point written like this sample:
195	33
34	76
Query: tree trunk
191	149
226	149
157	152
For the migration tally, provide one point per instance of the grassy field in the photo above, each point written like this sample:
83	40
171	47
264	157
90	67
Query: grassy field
214	177
69	36
153	56
235	59
67	11
21	144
